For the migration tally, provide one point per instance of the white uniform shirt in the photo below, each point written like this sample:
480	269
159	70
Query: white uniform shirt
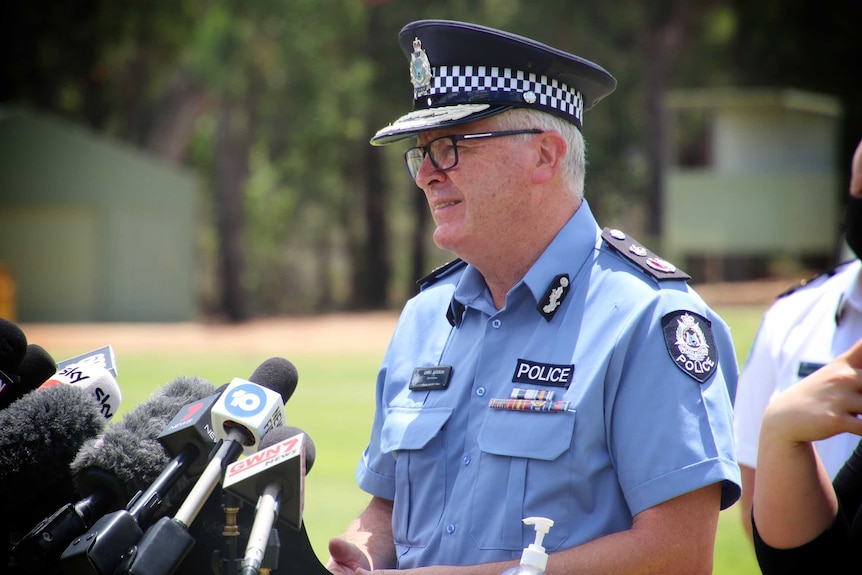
799	333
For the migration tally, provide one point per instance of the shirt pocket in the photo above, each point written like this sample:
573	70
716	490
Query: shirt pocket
525	470
416	439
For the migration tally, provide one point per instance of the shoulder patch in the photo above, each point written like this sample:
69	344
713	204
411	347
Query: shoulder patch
643	258
689	341
440	272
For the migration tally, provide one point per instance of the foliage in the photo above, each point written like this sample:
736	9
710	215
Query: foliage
272	103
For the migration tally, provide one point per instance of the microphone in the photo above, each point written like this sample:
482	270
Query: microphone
94	372
130	455
244	411
275	478
13	344
117	466
42	432
13	347
36	368
104	357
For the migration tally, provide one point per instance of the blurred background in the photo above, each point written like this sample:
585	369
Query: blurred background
199	171
208	159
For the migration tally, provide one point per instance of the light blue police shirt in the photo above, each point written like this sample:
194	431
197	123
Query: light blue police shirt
641	428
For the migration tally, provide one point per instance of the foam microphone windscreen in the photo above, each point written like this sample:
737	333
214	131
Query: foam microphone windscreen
41	434
279	434
127	457
277	374
36	367
13	346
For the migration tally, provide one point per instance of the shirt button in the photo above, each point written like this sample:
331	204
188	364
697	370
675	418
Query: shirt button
496	324
450	529
480	391
467	460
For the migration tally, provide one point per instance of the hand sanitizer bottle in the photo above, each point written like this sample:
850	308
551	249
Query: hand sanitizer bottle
533	558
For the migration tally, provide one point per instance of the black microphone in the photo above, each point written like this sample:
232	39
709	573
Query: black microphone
129	455
42	433
274	477
115	468
34	370
241	415
13	347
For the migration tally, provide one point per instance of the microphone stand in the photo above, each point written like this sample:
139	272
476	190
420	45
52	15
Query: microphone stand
270	557
227	560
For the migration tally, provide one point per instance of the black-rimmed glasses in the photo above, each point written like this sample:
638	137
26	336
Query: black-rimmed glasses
444	151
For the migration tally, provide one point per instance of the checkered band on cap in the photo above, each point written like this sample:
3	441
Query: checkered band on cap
504	85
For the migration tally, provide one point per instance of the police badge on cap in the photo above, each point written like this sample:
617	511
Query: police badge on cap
689	341
464	72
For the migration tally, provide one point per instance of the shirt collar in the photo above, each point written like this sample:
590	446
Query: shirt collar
851	297
565	255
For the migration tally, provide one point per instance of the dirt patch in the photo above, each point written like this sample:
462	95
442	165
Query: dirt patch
343	333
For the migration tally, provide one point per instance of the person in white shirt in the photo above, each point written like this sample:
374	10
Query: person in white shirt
803	330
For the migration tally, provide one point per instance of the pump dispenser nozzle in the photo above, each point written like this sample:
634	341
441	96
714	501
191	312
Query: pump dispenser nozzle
534	555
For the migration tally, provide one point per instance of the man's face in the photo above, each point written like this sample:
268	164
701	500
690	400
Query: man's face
480	202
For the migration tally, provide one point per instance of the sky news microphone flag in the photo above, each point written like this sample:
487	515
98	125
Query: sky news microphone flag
464	72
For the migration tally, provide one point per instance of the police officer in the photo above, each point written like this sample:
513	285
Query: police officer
801	332
555	369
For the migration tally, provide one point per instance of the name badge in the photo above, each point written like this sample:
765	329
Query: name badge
430	378
806	368
543	373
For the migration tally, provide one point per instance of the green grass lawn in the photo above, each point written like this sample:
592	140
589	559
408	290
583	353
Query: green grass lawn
333	403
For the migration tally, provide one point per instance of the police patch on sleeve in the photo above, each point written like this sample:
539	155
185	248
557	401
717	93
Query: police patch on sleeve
689	341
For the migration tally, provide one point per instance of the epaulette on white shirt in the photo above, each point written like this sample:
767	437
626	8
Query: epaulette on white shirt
814	280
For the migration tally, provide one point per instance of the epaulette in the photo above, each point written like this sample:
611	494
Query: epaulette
813	279
440	272
643	258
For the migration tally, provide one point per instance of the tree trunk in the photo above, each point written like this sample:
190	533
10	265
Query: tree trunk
231	171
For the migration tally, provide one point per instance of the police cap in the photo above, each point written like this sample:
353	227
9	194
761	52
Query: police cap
465	72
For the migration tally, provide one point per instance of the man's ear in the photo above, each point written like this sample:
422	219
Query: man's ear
551	148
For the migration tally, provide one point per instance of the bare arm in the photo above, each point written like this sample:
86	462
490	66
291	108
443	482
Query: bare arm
367	542
794	501
793	498
674	537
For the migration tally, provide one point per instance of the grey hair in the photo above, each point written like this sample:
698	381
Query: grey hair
574	163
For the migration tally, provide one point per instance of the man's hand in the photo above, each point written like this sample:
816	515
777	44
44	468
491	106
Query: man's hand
345	558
